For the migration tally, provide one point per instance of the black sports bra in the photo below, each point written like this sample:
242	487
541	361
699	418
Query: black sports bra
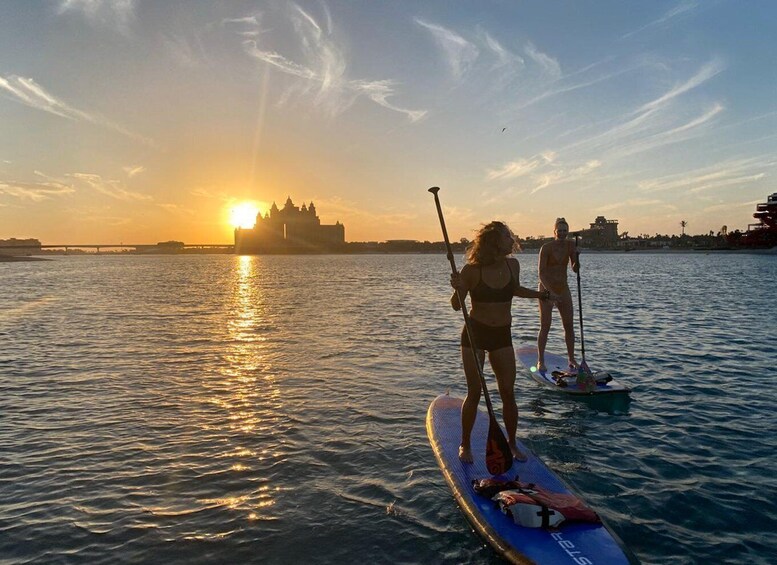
484	293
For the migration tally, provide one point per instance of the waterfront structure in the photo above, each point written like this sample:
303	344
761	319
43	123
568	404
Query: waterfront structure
602	233
762	234
289	230
15	246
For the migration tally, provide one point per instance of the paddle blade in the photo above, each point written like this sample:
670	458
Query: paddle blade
585	377
499	458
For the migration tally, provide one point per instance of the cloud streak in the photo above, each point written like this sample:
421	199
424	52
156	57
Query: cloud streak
704	74
682	8
324	72
116	13
111	188
459	53
729	173
548	64
35	191
28	92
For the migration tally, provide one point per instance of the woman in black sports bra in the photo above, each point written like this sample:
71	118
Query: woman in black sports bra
490	276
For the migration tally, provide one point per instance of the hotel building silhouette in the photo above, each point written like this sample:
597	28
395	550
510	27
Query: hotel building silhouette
289	230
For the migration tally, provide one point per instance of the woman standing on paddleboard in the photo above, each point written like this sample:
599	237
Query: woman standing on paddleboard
552	270
491	278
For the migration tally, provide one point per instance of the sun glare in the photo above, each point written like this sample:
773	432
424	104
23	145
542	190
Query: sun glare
243	215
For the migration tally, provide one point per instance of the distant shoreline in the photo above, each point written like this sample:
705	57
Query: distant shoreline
526	251
18	258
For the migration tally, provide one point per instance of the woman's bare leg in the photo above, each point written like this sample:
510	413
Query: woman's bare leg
567	319
469	408
546	315
503	363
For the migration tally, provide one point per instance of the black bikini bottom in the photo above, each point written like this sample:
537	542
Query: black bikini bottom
488	338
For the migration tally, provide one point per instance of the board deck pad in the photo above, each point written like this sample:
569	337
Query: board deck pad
556	368
571	543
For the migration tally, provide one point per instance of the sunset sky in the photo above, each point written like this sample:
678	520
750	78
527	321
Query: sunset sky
140	121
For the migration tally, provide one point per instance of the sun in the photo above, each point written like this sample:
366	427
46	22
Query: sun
243	215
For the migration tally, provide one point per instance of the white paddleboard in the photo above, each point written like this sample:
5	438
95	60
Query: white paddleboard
558	377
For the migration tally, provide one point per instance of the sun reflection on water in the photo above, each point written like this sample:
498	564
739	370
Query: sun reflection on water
248	392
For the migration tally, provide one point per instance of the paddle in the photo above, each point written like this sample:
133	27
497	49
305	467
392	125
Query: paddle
499	458
583	365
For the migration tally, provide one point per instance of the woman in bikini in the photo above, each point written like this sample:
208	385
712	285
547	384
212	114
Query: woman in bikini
552	270
490	276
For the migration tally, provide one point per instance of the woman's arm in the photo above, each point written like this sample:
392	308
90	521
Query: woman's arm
522	291
574	257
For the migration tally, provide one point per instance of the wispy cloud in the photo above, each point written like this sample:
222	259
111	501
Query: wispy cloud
564	175
459	53
324	72
677	134
548	64
704	74
728	206
116	13
650	125
35	191
682	8
132	171
520	167
108	187
504	57
462	55
28	92
728	173
562	84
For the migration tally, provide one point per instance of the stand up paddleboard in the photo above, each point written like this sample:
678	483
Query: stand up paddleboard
559	378
570	543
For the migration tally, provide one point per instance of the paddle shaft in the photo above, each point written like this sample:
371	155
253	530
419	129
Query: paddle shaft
467	326
580	304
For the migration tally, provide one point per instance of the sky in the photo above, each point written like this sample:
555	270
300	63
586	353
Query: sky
139	121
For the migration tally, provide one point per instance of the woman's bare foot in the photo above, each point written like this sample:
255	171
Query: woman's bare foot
518	455
465	454
541	366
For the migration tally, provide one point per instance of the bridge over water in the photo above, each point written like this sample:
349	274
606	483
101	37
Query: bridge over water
138	247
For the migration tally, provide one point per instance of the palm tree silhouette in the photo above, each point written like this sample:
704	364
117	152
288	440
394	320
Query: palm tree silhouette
683	223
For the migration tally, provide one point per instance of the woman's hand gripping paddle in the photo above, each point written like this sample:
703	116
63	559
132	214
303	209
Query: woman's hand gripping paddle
499	458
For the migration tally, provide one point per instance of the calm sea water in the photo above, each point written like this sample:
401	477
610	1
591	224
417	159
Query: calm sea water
219	409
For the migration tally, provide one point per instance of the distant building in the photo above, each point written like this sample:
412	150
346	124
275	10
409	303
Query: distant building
289	230
15	246
764	233
602	233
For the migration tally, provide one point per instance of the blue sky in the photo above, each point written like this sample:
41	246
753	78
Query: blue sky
143	121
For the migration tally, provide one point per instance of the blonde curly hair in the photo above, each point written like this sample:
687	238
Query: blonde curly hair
484	249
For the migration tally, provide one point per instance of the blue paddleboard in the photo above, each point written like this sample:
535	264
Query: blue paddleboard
572	543
556	374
